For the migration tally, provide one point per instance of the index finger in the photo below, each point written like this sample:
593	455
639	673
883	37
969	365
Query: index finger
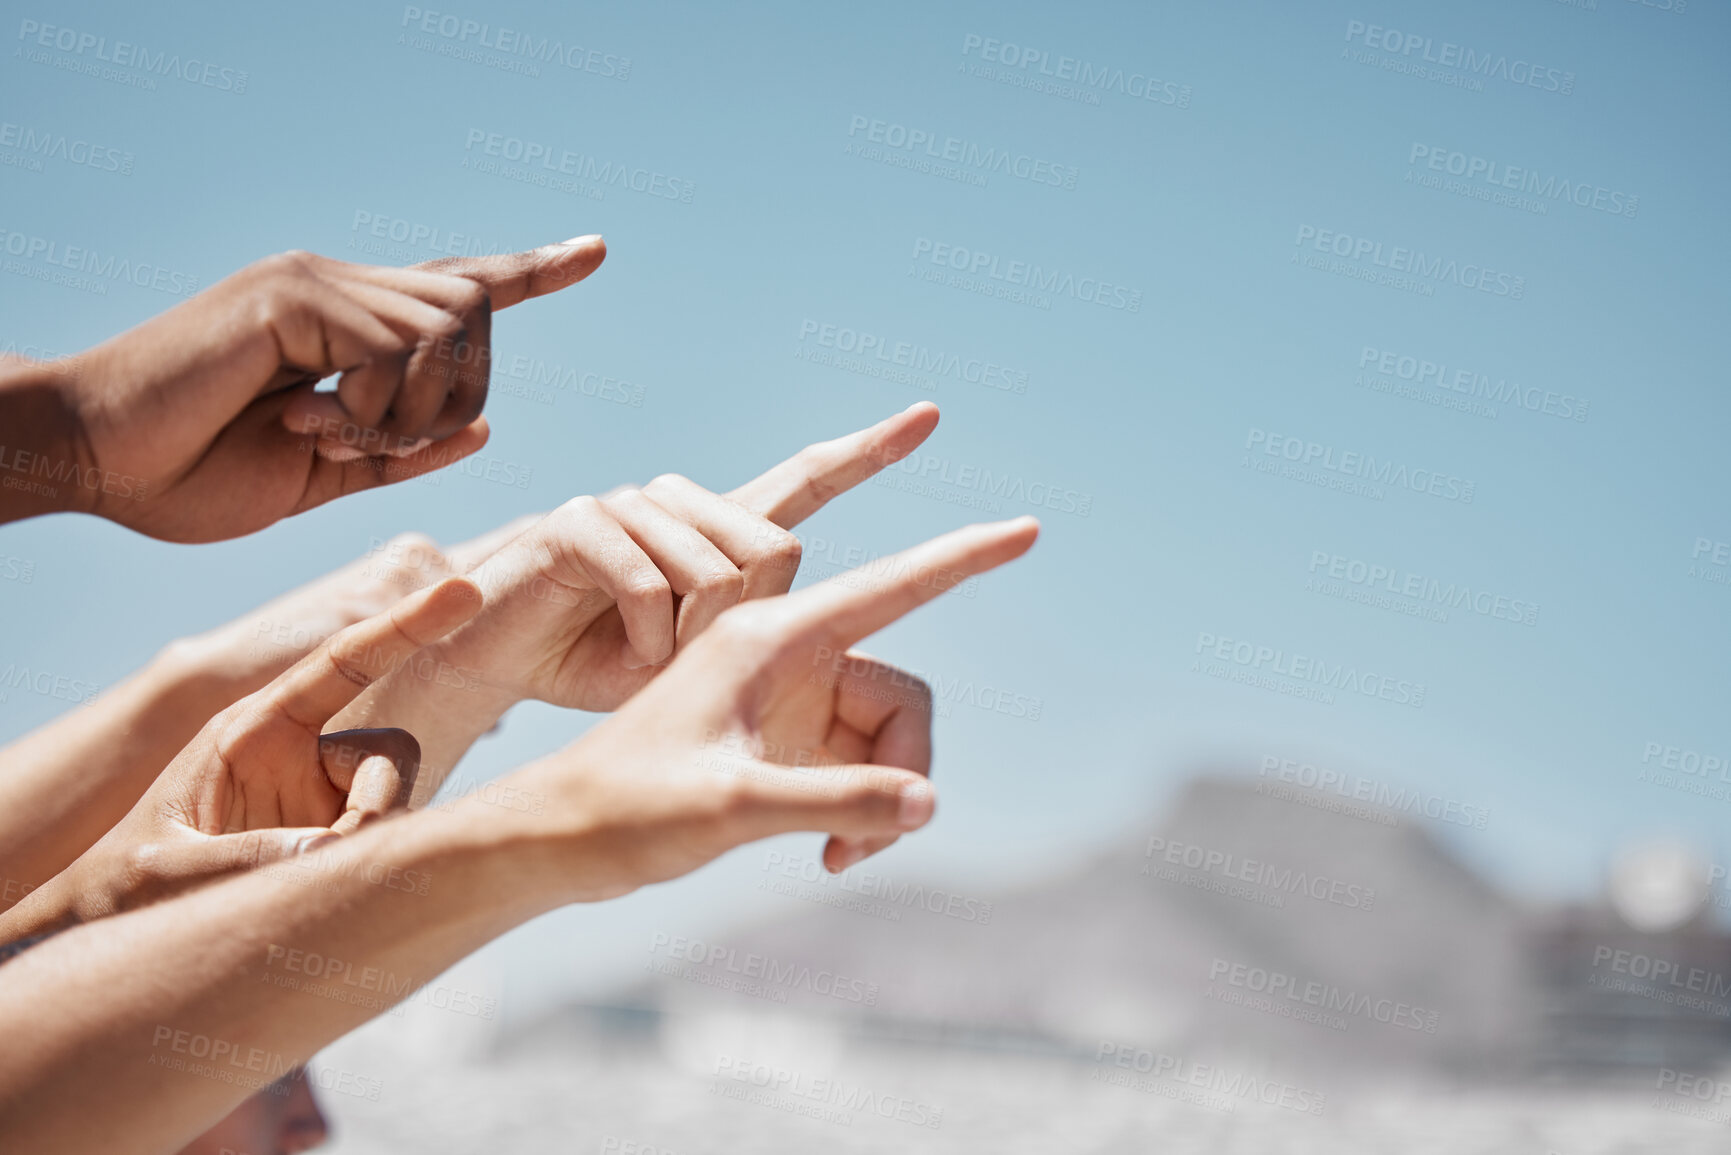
513	277
316	687
804	483
856	604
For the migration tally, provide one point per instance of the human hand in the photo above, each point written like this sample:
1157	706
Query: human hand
244	654
208	416
587	605
768	723
260	782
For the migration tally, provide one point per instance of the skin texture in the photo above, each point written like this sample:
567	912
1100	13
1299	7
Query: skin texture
261	781
587	605
755	729
69	782
282	1119
203	423
552	631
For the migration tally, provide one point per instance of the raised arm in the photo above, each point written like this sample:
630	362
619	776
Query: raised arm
65	784
768	723
204	423
588	604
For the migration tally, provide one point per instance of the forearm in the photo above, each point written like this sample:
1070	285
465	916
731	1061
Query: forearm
115	1027
45	465
66	784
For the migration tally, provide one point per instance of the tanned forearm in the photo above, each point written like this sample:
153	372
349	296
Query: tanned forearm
64	785
166	1017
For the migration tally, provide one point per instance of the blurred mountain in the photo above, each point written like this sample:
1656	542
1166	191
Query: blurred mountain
1386	948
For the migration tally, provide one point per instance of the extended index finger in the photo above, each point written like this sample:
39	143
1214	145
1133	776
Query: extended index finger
316	687
513	277
804	483
856	604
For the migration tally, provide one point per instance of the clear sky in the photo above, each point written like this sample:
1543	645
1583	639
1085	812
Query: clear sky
1513	207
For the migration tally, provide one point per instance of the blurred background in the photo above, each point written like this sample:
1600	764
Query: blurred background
1348	766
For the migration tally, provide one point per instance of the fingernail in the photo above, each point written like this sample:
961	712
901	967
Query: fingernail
314	842
916	806
340	454
582	240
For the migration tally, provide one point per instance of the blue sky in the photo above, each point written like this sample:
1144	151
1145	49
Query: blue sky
1279	136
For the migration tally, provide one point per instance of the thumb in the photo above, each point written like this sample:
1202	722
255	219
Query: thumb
859	801
513	277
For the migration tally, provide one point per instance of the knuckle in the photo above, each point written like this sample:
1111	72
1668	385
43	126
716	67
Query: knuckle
646	587
779	549
445	323
471	296
414	550
722	584
343	664
669	481
291	262
622	498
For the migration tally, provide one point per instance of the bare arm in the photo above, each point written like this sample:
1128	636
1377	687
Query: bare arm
769	723
66	784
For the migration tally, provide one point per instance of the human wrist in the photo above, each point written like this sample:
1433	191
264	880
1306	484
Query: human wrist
475	857
45	458
202	675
